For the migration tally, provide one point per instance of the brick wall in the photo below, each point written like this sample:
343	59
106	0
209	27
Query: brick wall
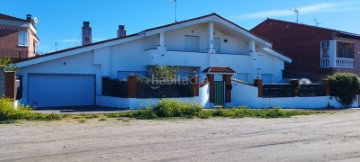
9	40
299	42
10	87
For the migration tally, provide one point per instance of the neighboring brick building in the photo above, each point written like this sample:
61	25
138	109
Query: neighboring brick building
314	50
18	38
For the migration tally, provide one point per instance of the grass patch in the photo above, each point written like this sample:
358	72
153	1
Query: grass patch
82	121
8	112
176	109
165	109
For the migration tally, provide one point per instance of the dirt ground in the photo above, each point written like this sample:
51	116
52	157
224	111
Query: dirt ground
325	137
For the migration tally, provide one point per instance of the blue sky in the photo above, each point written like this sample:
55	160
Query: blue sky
60	21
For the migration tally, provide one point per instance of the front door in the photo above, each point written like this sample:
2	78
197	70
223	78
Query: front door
219	93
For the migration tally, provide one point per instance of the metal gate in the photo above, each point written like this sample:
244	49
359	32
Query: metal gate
219	93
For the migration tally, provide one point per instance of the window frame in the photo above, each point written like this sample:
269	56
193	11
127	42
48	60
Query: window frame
23	39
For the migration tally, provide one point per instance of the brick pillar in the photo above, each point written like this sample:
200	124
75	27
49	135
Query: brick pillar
259	83
212	87
10	86
195	82
2	82
326	82
132	86
227	80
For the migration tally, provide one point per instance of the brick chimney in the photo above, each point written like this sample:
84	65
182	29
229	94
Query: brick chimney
86	33
29	17
121	31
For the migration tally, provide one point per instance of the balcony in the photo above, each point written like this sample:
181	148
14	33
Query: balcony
340	62
336	54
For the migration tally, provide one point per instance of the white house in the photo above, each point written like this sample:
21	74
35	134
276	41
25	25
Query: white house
73	77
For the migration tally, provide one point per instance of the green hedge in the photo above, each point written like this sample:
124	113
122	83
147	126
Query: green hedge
345	87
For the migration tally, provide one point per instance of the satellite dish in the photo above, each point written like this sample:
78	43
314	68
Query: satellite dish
36	20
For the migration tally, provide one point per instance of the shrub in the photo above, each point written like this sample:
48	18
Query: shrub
295	83
345	87
174	108
8	112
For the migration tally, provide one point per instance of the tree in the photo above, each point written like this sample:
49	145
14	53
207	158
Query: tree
163	72
6	62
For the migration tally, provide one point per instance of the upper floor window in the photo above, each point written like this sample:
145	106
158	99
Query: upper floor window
23	38
192	43
345	49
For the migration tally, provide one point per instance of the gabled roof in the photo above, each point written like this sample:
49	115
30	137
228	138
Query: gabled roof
219	70
148	32
7	17
339	33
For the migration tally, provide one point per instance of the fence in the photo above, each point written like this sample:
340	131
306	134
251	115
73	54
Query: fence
149	89
114	88
286	90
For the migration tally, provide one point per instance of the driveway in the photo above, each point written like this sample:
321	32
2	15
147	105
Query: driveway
325	137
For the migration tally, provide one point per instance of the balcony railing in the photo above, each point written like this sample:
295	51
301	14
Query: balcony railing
341	62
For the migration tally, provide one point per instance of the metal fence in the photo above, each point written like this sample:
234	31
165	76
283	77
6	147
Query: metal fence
312	90
286	90
114	88
148	89
278	90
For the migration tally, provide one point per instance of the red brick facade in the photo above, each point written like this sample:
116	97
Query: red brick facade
9	40
302	44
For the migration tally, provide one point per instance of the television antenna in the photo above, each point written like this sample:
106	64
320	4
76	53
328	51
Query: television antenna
316	21
297	11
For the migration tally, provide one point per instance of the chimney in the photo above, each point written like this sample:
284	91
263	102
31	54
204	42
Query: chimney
121	31
86	33
28	17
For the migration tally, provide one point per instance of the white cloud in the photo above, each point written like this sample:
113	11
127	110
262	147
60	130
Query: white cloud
315	8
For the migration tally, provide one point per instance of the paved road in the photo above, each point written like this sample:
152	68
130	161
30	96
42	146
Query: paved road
330	137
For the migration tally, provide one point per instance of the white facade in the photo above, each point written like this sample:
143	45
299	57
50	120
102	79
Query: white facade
248	55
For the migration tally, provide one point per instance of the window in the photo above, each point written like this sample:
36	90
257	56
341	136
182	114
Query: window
23	38
325	48
217	45
35	46
192	43
345	49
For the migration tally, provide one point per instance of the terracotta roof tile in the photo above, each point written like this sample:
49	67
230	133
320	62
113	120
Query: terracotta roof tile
214	69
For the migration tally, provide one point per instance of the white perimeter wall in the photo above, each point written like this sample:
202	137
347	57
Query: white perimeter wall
245	95
134	103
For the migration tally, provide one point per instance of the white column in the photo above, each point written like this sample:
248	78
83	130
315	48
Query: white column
211	37
332	53
252	47
162	39
162	48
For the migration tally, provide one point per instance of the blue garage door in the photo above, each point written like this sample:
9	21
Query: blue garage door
61	90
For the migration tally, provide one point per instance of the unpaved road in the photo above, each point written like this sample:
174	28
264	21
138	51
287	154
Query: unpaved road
326	137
